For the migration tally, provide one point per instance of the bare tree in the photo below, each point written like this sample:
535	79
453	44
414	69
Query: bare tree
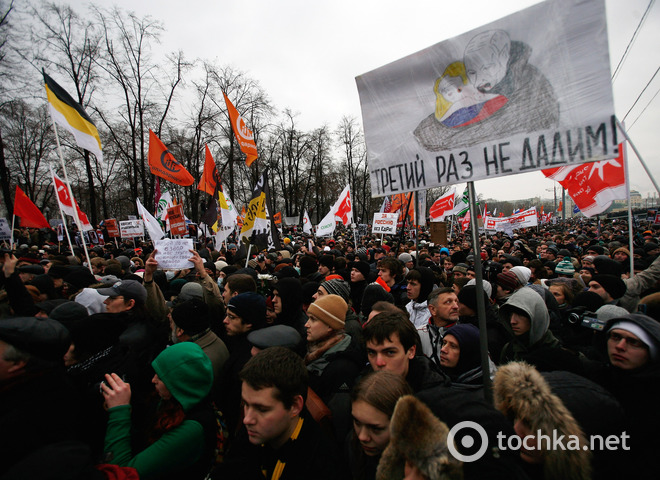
69	44
6	76
145	98
351	140
28	141
254	106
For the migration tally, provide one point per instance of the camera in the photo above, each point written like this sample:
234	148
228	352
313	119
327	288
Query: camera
491	269
584	318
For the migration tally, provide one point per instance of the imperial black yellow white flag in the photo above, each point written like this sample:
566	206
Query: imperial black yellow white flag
70	115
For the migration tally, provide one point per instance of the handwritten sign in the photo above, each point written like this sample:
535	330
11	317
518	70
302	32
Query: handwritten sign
177	220
384	223
173	254
131	228
112	227
5	230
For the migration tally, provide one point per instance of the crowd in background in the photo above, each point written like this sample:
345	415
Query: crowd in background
330	358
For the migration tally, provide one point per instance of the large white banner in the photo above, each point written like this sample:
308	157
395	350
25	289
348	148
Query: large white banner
526	92
385	223
527	218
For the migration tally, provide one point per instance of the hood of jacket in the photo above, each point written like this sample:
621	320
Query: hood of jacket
186	371
531	303
650	326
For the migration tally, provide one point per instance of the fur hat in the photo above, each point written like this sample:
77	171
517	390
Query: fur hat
331	310
417	436
521	392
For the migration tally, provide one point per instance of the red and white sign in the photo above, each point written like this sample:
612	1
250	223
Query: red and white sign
384	223
527	218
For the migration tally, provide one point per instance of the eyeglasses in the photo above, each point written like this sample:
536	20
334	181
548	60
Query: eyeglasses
631	342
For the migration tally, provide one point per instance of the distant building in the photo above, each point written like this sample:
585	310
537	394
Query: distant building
635	199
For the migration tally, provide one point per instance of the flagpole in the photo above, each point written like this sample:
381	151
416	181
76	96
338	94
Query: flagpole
73	202
481	304
66	230
630	223
639	156
11	240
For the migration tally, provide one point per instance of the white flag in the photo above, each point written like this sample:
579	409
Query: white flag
307	224
153	227
327	225
164	203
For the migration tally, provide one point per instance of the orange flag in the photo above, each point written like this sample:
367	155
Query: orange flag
30	214
244	135
163	164
277	218
210	178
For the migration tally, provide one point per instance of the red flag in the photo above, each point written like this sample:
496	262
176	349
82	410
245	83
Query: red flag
29	213
244	135
210	179
163	164
593	186
443	206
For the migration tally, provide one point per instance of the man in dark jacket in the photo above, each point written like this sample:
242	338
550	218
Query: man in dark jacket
278	438
38	406
632	374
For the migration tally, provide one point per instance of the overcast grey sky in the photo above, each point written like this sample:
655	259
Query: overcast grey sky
306	55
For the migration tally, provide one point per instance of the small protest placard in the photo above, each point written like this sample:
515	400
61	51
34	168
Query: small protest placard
113	228
5	229
173	254
177	220
131	228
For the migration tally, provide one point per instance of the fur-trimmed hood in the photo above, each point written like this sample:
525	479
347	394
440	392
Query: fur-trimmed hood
420	438
521	392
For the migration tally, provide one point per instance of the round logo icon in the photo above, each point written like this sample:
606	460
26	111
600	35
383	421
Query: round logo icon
467	441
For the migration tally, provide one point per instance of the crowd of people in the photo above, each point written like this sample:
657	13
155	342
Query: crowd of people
334	359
